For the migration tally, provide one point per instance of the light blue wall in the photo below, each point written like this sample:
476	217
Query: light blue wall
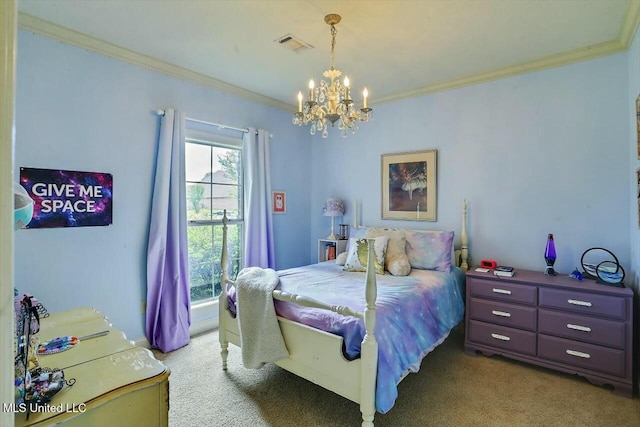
78	110
633	58
546	152
540	153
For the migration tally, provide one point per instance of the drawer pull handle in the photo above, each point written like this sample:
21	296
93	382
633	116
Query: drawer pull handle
579	328
500	313
579	354
502	337
578	302
501	291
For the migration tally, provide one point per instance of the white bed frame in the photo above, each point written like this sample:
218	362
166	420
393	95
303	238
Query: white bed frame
317	355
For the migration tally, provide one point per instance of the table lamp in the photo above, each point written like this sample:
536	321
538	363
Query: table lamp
333	207
550	256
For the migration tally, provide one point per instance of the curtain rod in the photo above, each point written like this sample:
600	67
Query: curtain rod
221	126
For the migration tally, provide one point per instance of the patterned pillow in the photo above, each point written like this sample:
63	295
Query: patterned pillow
356	233
396	261
357	258
430	250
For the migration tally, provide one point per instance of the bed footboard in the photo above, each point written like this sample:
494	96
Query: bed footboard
310	355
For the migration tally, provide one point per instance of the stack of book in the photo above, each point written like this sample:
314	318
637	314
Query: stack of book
330	251
503	270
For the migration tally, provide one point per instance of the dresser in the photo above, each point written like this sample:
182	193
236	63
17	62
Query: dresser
577	327
116	382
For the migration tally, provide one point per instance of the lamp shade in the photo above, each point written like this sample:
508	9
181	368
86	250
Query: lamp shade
333	207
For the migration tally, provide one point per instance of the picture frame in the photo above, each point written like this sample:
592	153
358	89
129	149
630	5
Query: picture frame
409	185
279	202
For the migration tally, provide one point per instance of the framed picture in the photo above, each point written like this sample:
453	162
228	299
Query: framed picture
409	185
279	202
638	125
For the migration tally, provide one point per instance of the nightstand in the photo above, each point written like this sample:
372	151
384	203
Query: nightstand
324	251
577	327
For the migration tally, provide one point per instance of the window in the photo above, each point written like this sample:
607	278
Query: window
214	183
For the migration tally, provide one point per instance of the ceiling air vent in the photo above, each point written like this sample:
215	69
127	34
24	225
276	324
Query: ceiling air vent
293	43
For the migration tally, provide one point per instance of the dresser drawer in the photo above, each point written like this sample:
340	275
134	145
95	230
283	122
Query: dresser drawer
514	340
602	359
582	328
582	302
502	290
501	313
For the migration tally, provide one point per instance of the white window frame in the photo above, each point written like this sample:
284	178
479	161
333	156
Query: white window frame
204	307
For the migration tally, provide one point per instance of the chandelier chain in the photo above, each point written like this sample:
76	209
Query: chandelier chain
333	43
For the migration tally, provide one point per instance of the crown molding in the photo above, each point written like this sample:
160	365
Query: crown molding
565	58
628	31
45	28
630	25
92	44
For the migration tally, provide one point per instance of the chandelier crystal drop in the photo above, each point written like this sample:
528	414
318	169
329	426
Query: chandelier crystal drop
331	102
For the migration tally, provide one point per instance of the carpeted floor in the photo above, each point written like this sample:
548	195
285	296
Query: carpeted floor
451	389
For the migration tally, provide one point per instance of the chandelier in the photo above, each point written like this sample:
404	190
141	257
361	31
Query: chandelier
331	101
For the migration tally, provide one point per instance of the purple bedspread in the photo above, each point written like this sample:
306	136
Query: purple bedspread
414	314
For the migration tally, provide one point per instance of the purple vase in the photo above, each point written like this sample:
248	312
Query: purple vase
550	256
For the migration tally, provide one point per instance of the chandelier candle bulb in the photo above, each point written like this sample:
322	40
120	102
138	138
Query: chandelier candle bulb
346	86
311	86
300	102
365	94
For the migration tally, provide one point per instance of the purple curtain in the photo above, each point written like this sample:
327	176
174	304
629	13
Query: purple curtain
258	248
168	298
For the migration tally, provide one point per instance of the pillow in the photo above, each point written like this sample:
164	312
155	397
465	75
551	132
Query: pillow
429	250
341	259
357	233
395	261
357	258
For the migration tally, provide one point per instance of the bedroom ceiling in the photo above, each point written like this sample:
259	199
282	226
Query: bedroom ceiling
395	48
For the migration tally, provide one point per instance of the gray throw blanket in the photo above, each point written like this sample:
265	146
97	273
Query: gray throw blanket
260	334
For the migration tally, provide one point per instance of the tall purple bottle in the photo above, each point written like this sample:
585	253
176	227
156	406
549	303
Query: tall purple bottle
550	256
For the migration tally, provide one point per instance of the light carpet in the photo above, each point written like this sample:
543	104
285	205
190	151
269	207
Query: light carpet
451	389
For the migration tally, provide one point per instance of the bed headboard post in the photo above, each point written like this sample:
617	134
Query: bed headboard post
464	242
223	301
355	215
371	292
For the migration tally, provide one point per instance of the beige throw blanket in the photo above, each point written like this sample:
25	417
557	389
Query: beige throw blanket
260	334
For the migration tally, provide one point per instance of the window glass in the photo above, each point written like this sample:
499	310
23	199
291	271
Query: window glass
214	184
